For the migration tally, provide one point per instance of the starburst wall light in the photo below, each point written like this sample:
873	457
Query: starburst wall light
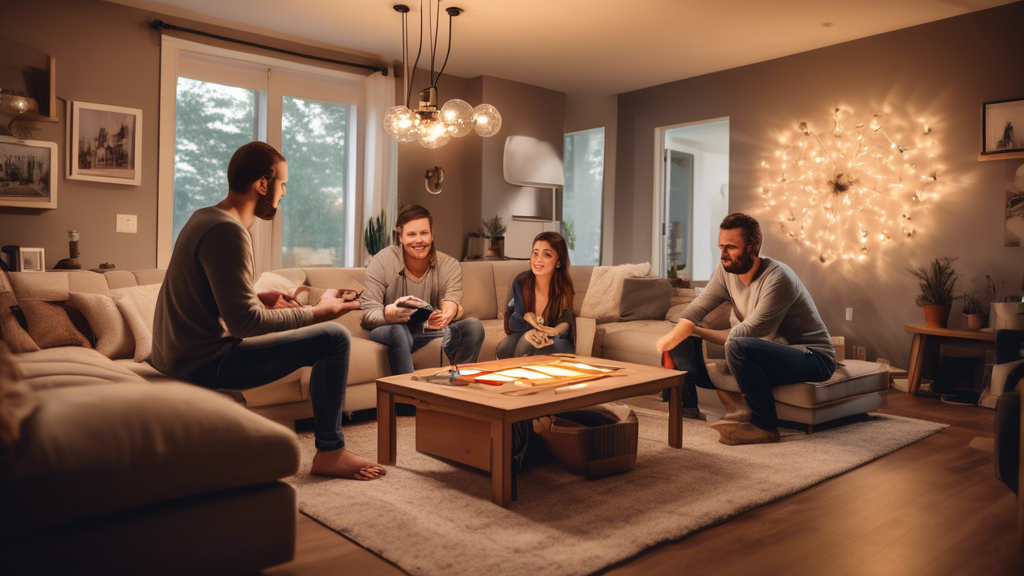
845	193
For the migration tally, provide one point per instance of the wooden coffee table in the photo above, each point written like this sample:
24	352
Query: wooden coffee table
491	415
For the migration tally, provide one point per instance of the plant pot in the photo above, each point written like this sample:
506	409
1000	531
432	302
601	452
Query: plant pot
497	249
936	316
476	248
975	321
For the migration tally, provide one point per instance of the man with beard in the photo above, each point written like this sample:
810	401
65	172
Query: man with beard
777	336
211	329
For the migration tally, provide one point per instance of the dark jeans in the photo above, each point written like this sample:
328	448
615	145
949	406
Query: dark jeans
462	342
688	356
515	346
263	359
760	365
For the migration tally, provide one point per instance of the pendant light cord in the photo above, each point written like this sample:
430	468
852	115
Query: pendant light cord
449	50
408	97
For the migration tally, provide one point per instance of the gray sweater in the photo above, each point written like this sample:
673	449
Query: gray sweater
776	306
387	280
210	278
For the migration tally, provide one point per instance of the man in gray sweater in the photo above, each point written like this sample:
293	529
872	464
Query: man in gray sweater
401	278
211	329
777	336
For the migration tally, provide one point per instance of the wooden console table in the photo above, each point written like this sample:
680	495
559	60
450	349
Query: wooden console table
927	335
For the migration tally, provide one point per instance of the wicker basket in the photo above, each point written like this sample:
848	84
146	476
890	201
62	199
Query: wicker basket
596	441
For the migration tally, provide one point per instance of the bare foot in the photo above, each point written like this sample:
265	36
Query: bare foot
344	464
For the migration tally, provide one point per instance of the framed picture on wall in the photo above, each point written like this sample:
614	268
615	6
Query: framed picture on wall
26	173
1002	127
104	143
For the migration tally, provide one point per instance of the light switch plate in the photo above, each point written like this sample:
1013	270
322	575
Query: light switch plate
127	223
849	313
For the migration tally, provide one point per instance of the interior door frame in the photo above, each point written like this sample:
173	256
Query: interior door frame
658	201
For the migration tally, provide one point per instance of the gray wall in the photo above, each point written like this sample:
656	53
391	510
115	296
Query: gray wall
943	70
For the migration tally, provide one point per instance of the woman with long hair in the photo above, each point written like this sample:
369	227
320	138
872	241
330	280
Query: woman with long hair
539	318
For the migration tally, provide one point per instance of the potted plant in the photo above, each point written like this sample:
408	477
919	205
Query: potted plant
494	228
972	309
476	245
937	282
377	236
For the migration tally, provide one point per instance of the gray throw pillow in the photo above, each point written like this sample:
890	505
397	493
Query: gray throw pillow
645	299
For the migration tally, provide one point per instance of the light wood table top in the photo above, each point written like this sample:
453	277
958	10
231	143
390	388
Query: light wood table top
950	332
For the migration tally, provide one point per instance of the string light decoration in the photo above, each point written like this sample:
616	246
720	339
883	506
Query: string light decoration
845	193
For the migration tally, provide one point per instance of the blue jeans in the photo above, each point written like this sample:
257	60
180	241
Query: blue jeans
688	356
760	365
515	346
462	342
260	360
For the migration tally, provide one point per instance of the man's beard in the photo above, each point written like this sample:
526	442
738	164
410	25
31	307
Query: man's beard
741	266
265	209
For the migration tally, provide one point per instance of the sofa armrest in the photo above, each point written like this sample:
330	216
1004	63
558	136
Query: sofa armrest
586	330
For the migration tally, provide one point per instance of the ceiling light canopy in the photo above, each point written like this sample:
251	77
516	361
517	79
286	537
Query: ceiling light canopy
428	125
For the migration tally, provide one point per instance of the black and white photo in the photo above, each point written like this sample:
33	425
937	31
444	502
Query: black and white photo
26	176
105	143
1003	127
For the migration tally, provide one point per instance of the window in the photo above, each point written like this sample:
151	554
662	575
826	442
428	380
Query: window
581	201
222	99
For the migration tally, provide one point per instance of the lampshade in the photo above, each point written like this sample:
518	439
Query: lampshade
532	162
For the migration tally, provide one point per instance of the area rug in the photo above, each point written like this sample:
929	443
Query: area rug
431	517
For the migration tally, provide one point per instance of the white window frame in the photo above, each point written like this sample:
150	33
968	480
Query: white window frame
604	175
243	69
657	269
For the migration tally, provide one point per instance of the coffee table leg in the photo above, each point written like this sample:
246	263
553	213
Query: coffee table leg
501	462
675	416
387	438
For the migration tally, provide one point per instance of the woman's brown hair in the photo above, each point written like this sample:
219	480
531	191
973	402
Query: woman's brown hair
561	293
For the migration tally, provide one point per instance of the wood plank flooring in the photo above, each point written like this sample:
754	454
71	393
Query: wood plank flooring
932	508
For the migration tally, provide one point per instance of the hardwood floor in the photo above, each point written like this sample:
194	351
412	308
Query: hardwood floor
932	508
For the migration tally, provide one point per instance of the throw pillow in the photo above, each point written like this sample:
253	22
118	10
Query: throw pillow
143	334
270	282
680	299
605	291
50	326
644	299
16	400
11	331
113	335
144	298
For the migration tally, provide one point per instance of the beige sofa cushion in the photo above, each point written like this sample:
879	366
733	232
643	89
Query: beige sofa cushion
504	272
89	282
478	291
52	286
632	341
120	279
137	305
338	278
17	400
91	450
604	291
856	378
71	366
152	276
581	277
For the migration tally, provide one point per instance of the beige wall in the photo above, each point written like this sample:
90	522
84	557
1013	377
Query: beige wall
944	70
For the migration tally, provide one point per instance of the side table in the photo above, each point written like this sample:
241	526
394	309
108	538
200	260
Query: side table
926	338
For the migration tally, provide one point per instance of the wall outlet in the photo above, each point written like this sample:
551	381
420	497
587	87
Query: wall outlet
849	314
127	223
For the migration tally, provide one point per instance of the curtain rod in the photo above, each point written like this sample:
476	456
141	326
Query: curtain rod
161	25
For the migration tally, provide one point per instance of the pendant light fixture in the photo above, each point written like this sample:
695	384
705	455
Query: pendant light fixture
428	125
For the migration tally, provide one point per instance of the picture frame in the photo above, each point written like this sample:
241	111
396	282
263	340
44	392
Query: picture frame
31	260
1002	127
104	143
27	179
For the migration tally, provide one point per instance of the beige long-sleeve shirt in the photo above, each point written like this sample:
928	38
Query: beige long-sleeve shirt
776	306
387	280
211	277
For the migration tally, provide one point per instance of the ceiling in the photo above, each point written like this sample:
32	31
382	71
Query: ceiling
582	46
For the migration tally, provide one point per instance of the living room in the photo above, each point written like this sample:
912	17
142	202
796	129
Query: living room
929	73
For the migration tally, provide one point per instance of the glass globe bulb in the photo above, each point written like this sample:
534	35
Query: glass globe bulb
487	120
457	116
400	122
433	134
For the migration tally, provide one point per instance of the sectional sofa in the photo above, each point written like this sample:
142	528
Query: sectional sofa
151	457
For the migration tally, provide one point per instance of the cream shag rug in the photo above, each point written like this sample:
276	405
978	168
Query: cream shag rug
431	517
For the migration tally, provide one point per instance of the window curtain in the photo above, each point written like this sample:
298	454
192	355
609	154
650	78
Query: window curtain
380	168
